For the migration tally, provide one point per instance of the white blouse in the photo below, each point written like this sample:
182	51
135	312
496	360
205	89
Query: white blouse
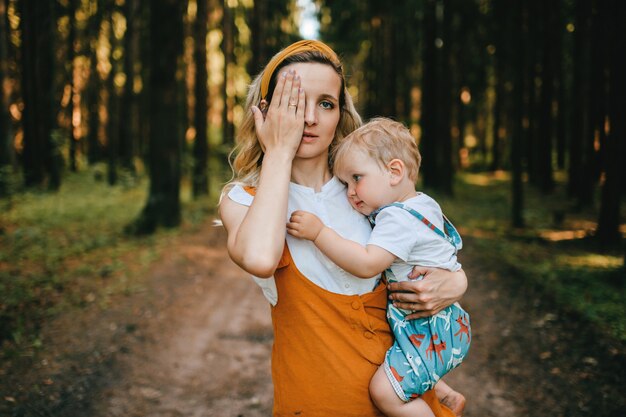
332	207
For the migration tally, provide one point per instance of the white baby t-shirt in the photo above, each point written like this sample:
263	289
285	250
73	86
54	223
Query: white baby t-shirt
411	241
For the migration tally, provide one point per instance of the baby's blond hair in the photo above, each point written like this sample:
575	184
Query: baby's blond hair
383	140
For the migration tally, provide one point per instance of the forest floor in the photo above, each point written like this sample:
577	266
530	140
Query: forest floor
196	341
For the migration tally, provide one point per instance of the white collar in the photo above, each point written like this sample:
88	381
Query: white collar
330	188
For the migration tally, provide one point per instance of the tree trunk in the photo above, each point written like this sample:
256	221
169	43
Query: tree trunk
444	167
6	145
533	20
580	98
200	146
73	140
114	105
436	86
143	105
93	86
428	143
228	129
500	30
496	150
382	64
164	154
595	112
517	190
437	98
403	28
257	37
563	87
609	219
40	156
544	160
128	117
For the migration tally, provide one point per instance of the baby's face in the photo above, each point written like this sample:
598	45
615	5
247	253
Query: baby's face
369	184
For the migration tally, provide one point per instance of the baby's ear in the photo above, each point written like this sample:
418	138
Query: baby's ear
396	170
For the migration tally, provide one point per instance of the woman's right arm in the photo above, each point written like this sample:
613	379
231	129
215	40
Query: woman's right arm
256	234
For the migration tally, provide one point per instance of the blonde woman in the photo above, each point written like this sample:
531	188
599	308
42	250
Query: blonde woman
330	329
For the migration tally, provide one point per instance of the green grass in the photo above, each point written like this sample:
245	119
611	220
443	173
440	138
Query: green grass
68	249
560	260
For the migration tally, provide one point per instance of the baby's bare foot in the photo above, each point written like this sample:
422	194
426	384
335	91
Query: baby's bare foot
455	401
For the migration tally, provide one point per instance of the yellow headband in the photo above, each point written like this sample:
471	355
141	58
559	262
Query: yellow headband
293	49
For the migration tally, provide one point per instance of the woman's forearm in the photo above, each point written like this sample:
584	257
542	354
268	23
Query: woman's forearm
257	242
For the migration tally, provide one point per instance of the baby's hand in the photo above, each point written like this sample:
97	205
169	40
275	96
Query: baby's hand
304	225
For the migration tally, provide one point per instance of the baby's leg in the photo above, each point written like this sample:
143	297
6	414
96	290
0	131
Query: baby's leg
390	404
455	401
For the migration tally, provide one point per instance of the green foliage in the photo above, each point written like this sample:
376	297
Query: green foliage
561	261
68	249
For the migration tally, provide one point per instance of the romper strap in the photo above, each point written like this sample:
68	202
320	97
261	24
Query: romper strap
449	233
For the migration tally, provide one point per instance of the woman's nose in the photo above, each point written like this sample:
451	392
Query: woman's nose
310	116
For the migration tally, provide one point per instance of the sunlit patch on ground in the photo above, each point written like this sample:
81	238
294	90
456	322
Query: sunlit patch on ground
558	235
484	180
595	261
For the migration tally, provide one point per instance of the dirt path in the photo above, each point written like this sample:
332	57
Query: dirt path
197	342
209	348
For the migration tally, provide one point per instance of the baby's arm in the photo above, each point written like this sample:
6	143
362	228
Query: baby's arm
363	262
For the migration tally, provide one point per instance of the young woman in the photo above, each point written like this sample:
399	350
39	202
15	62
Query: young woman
330	329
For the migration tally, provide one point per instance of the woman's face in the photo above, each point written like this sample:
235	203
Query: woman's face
322	86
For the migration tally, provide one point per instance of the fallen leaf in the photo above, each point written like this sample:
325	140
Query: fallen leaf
590	361
545	355
150	393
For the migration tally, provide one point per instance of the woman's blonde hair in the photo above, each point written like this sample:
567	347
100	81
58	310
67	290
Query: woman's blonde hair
246	164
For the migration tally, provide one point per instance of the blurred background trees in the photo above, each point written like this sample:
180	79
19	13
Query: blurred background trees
126	88
119	115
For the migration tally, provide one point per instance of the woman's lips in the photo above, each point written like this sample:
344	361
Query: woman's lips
308	137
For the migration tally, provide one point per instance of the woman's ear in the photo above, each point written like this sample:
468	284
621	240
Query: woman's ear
396	170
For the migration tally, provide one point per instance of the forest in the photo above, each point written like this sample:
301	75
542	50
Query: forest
532	90
118	118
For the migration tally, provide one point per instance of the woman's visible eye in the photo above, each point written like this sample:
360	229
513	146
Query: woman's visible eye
328	105
356	177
